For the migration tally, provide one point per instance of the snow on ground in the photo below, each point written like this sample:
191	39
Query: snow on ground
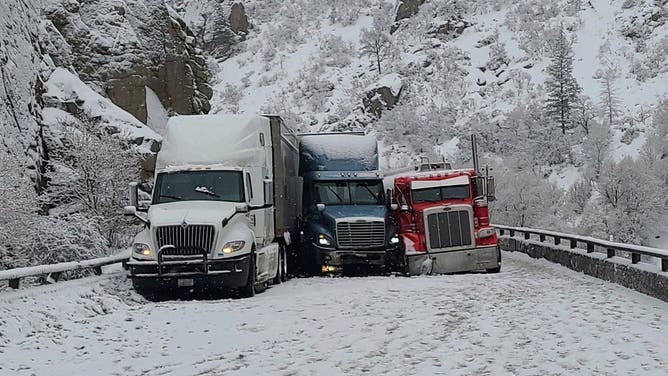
534	318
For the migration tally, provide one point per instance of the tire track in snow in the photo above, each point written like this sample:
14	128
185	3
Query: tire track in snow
533	318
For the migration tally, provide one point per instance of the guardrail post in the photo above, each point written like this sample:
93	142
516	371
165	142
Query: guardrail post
501	231
611	252
541	237
557	240
527	235
14	283
97	270
635	258
590	248
512	232
574	243
664	265
52	277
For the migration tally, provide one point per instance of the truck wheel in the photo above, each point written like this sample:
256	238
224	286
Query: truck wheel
279	268
494	270
284	276
248	291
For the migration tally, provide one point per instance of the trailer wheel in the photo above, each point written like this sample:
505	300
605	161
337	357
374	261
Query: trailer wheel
494	270
248	291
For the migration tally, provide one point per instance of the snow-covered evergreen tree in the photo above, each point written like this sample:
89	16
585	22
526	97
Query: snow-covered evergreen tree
610	102
562	87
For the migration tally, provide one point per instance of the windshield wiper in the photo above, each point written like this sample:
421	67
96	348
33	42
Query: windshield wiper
375	196
335	194
206	191
172	197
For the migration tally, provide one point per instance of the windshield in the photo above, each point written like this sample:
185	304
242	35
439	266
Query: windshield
440	193
348	192
199	185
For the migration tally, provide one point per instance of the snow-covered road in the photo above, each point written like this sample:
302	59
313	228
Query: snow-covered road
534	318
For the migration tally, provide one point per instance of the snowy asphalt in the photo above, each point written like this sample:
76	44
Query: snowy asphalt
534	318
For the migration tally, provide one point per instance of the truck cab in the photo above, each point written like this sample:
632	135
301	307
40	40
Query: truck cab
222	212
443	221
346	221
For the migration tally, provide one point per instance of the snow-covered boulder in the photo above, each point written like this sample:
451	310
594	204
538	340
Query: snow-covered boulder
123	47
449	29
238	19
384	93
67	98
407	8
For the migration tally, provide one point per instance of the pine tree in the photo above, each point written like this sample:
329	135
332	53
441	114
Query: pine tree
562	87
610	101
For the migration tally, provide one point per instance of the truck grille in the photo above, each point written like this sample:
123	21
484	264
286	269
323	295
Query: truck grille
449	229
188	241
360	234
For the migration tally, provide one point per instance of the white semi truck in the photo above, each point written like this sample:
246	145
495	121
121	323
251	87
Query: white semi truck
224	206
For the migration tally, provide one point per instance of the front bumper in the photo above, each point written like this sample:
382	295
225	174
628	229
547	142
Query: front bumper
467	260
191	273
345	257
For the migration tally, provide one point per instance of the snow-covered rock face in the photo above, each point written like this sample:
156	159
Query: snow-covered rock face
122	47
218	25
20	83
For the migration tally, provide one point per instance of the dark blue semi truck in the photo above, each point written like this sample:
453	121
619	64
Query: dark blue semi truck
346	221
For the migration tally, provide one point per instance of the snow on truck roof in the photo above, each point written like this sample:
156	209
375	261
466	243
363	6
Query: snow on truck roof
339	152
202	140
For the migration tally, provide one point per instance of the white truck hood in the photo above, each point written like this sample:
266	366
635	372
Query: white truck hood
190	212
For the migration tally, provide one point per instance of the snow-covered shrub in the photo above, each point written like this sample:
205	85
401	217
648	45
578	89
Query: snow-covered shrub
18	212
596	146
579	194
231	97
335	52
633	198
653	62
88	178
524	199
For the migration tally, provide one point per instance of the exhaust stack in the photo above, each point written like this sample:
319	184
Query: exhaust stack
474	150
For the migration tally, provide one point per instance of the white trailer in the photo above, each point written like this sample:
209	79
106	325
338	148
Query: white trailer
224	206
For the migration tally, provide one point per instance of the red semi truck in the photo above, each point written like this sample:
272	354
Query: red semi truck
443	220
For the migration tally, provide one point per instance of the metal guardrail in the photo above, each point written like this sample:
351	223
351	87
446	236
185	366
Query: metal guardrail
53	271
611	248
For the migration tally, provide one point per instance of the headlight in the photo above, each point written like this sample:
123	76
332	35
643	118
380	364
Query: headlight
141	249
322	240
485	232
394	239
234	246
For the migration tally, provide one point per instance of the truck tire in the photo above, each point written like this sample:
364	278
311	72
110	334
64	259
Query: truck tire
285	275
248	291
279	268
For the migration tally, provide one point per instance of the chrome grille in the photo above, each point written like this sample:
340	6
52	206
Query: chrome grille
187	241
449	229
366	234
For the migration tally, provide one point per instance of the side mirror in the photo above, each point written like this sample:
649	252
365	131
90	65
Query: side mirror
394	207
491	189
241	208
129	210
134	194
320	207
404	207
